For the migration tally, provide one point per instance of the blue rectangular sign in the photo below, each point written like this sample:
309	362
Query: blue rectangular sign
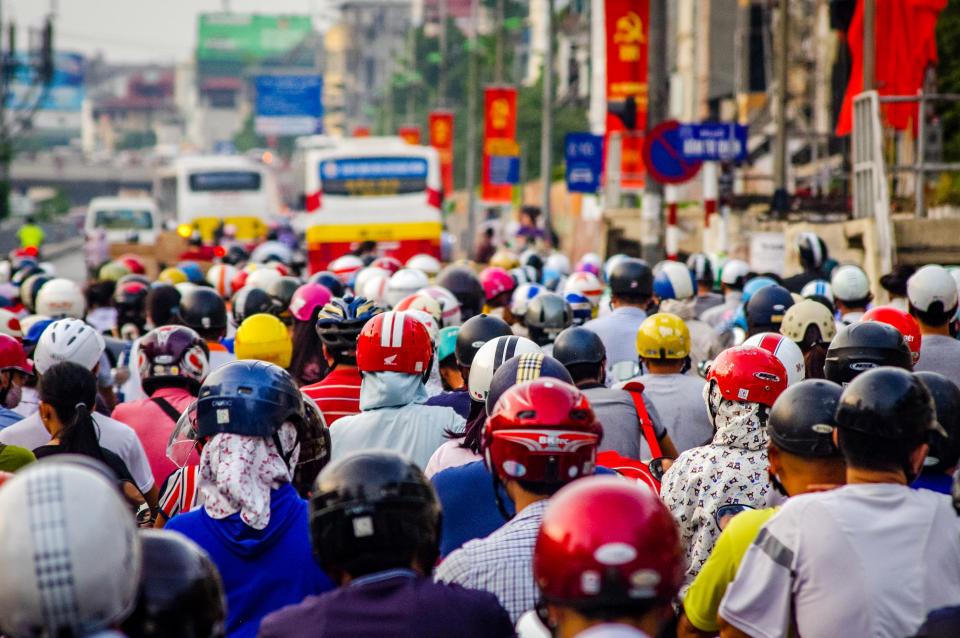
504	169
374	168
584	156
289	105
713	141
64	93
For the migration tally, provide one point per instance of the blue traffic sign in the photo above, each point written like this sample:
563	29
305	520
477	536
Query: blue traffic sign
584	158
713	141
504	169
662	156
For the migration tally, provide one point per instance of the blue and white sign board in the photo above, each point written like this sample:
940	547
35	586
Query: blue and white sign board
584	159
713	141
59	103
504	169
371	176
289	105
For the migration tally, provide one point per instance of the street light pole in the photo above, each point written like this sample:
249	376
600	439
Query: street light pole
780	150
651	213
546	130
471	133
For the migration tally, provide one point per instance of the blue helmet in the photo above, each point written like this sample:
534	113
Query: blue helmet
673	280
192	270
328	279
582	308
754	285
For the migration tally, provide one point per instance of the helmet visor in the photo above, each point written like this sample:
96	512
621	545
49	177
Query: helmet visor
182	447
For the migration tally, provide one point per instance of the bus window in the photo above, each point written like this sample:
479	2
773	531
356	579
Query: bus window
124	219
373	176
225	181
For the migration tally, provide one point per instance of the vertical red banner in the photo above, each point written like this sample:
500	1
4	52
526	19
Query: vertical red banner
441	138
499	138
410	134
627	37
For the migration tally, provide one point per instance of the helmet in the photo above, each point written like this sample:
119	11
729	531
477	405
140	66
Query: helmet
427	264
61	298
33	326
369	273
340	322
30	288
253	398
235	255
192	270
804	314
553	280
608	265
449	305
748	373
580	306
181	595
818	288
250	301
134	263
932	290
428	321
465	286
504	258
394	342
541	431
239	280
575	346
373	510
130	297
346	267
783	349
586	284
631	277
173	353
700	268
944	450
591	263
888	403
634	555
496	281
172	276
404	283
663	336
529	257
220	276
424	303
802	419
491	356
673	280
390	264
862	346
524	274
850	283
282	292
447	342
203	309
734	273
558	262
56	518
767	307
264	337
524	367
68	340
900	320
521	297
114	270
375	289
307	298
475	332
10	325
328	279
262	277
757	283
812	250
546	316
12	355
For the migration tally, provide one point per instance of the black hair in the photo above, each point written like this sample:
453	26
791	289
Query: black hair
538	488
871	452
163	305
856	303
307	350
934	315
71	390
100	293
632	298
585	371
449	361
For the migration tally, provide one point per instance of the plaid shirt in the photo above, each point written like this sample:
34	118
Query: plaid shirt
501	563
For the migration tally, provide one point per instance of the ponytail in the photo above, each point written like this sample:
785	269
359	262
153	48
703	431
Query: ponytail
60	387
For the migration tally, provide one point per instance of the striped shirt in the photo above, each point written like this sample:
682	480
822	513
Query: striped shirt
181	491
338	394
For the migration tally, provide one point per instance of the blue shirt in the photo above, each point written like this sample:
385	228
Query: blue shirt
8	417
941	483
618	332
459	400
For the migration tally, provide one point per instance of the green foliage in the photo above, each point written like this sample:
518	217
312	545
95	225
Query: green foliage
57	205
948	77
134	140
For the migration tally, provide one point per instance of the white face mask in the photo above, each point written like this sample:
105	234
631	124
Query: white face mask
12	394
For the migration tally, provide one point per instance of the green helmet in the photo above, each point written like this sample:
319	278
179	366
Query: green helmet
447	342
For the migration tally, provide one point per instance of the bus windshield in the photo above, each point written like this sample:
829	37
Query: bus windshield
124	219
373	176
225	181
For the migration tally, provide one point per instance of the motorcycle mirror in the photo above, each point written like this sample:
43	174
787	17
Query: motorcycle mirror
725	512
659	466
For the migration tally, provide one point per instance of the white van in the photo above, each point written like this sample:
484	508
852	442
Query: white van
126	219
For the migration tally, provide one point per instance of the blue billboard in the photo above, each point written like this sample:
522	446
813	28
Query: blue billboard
64	93
289	105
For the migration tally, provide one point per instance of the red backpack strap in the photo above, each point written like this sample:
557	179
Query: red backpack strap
635	388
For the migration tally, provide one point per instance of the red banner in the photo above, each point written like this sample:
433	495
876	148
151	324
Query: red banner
441	138
499	137
410	134
627	37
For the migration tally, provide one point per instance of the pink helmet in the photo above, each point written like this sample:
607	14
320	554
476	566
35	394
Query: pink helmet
496	281
307	298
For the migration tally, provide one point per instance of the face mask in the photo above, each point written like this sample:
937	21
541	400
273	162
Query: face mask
10	397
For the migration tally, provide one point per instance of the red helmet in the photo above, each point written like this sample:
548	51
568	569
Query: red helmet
542	431
604	542
748	373
496	281
173	353
632	469
900	320
13	356
239	280
134	263
394	342
390	264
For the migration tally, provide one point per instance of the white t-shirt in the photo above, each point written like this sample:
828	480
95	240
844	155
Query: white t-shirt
862	560
115	436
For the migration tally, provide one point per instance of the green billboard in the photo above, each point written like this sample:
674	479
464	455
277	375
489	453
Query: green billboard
248	38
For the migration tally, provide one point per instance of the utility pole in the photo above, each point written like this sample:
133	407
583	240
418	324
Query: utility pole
501	35
472	132
651	212
442	67
546	130
869	44
779	205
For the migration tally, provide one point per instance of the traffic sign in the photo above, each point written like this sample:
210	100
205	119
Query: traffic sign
713	141
504	169
663	157
584	159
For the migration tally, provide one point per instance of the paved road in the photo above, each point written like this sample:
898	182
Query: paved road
70	264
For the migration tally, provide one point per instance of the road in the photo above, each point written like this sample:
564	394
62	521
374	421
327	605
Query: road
70	264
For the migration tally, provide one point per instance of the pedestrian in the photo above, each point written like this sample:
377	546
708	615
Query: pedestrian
933	303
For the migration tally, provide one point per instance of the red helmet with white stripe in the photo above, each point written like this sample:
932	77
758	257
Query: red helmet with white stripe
783	349
748	373
394	342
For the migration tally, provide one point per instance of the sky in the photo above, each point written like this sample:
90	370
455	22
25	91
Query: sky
135	30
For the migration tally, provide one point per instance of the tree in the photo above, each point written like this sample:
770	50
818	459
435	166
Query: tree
948	77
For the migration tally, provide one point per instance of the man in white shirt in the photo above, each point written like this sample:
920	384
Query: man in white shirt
872	558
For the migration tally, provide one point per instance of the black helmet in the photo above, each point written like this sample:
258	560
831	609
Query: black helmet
328	279
339	324
282	291
251	301
235	255
944	451
813	252
203	309
465	286
547	315
802	418
701	268
475	332
766	308
372	511
523	367
862	346
631	277
181	593
887	403
578	345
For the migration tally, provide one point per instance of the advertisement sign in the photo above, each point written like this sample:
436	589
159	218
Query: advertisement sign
65	92
410	134
289	105
441	138
713	141
584	162
373	176
627	31
499	140
249	38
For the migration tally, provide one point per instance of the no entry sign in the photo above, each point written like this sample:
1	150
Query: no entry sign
663	155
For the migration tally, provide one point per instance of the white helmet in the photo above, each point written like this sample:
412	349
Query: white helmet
424	302
5	271
558	262
449	305
404	283
805	313
27	322
68	340
673	280
932	285
783	349
69	552
818	288
521	298
61	298
586	284
734	273
10	324
427	264
365	275
428	321
220	276
263	278
272	250
346	267
375	289
491	356
850	283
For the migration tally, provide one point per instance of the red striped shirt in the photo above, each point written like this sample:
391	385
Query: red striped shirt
338	394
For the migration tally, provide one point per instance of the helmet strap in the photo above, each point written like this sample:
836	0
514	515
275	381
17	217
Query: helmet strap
496	494
775	482
285	455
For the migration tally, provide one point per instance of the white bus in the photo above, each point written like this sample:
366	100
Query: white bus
123	219
203	191
372	189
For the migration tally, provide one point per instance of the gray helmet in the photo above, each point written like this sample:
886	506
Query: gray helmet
547	315
802	418
578	345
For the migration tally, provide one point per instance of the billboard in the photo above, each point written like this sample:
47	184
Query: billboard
500	150
249	38
289	105
58	105
441	138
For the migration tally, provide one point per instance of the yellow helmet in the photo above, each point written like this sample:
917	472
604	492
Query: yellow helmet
505	259
172	276
264	337
663	336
